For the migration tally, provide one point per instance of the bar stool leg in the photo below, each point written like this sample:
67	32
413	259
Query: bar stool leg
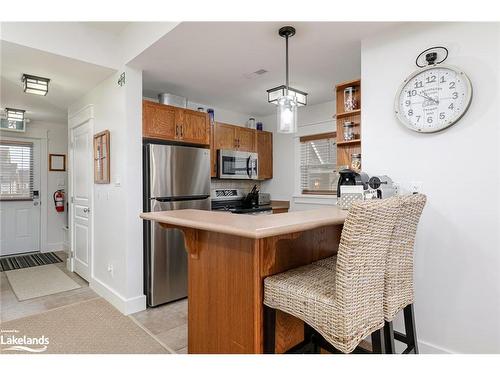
378	342
269	330
411	330
389	338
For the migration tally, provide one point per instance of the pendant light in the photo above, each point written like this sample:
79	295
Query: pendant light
286	98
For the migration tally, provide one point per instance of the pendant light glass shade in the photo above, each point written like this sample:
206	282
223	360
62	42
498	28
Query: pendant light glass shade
287	114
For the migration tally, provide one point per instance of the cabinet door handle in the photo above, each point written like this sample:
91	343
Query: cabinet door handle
176	131
182	131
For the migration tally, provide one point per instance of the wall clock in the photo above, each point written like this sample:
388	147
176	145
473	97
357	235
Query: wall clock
433	97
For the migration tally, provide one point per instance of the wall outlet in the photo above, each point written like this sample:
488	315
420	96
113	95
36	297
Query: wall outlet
110	269
415	187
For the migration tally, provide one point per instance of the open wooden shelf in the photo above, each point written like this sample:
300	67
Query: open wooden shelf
346	148
351	142
350	113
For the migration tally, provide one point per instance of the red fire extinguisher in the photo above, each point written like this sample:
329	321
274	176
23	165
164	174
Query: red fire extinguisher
59	200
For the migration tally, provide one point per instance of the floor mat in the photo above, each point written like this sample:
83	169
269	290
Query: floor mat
93	327
39	281
9	263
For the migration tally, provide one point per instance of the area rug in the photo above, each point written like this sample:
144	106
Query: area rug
8	263
91	327
39	281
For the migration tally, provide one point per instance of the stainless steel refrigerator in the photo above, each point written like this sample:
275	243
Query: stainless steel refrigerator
175	178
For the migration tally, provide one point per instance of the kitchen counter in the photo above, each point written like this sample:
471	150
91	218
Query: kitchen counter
230	255
247	225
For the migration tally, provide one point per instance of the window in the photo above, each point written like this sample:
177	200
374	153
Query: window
318	163
16	165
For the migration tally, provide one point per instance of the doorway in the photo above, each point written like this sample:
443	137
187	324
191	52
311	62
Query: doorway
81	183
20	195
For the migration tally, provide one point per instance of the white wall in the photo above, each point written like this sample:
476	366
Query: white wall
57	143
457	259
117	226
285	185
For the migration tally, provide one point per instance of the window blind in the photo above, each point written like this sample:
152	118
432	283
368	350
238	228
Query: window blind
16	167
318	162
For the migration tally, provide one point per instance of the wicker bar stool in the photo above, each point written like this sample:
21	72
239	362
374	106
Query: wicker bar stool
340	297
398	290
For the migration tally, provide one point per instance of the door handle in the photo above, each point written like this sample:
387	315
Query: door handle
35	203
182	131
176	131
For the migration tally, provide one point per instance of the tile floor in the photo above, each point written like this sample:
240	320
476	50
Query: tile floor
167	323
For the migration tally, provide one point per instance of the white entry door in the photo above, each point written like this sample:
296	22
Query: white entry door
19	196
81	183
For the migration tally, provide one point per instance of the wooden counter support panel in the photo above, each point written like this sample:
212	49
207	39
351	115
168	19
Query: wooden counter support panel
226	275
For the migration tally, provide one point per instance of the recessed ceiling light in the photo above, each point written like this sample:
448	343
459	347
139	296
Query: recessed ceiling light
35	85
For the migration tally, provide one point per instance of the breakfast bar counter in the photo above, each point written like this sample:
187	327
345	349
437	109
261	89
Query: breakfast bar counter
229	257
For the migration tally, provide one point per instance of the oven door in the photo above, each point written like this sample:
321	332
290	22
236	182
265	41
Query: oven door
238	165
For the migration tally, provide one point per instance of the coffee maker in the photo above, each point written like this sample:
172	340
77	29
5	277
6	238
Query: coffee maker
350	177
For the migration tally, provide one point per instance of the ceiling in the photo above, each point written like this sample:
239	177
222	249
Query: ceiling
113	28
212	62
69	80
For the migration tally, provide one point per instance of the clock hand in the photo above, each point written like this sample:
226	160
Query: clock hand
429	98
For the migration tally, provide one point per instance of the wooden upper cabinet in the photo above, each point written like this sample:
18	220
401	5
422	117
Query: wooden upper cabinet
245	139
194	126
265	151
158	121
170	123
225	137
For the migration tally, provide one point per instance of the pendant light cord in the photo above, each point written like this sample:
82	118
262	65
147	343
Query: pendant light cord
287	82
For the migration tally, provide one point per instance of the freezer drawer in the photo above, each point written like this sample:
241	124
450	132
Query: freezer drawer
167	256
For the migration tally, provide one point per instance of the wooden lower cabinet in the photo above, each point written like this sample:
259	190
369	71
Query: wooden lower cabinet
170	123
265	151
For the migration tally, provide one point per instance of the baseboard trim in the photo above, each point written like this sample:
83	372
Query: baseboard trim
428	348
56	246
125	305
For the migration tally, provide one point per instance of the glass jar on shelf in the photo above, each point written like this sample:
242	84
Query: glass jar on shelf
350	101
356	162
348	130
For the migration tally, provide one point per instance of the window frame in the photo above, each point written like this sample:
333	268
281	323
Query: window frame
315	137
31	182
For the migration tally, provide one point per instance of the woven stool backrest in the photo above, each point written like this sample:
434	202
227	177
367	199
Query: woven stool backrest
361	262
398	289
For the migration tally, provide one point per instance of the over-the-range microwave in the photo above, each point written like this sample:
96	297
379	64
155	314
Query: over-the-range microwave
239	165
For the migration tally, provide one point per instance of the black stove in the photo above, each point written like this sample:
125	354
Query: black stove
234	201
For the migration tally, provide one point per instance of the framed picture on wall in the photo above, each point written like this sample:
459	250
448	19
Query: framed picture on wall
101	157
57	162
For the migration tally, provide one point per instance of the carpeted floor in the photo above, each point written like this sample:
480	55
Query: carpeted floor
39	281
93	327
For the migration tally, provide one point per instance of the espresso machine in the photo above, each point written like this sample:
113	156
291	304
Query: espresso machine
383	185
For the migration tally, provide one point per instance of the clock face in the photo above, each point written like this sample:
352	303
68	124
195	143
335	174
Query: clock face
433	98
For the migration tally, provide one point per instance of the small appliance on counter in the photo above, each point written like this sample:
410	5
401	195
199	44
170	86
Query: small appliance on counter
383	185
350	177
264	199
236	202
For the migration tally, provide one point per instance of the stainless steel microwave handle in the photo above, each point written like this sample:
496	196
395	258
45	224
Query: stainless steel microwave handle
249	170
